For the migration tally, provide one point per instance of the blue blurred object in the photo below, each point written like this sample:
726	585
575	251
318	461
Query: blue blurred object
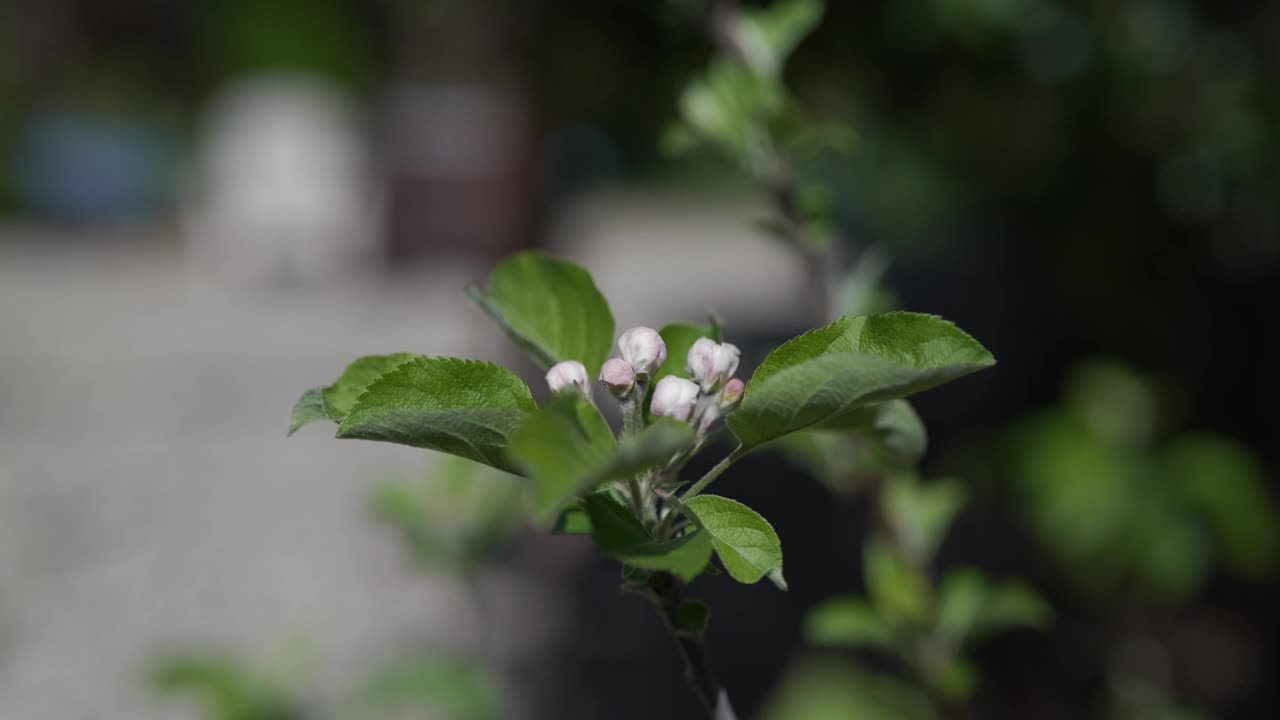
79	166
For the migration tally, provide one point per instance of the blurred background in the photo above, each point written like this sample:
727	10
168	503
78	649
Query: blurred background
206	208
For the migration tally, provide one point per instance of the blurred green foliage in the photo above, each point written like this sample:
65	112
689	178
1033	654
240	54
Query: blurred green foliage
1126	507
454	517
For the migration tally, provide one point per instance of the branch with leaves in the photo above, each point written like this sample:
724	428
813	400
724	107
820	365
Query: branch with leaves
625	487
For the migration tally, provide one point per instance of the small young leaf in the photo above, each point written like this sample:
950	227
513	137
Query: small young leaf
900	431
549	307
768	36
618	532
847	621
567	449
921	512
692	617
463	407
971	607
308	409
900	592
825	377
745	542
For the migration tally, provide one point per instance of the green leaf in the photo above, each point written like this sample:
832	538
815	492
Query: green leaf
921	512
463	407
900	431
224	686
341	396
692	617
847	621
899	592
679	337
745	541
334	401
1223	482
618	532
825	377
650	447
550	308
308	409
567	449
562	449
453	515
970	606
572	521
769	35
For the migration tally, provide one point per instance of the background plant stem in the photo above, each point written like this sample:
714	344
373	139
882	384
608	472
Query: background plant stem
665	593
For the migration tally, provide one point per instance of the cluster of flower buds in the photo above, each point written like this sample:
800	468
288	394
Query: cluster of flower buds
711	393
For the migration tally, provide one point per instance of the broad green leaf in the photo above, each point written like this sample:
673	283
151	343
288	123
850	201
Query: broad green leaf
458	689
334	401
745	541
679	337
341	396
463	407
618	532
567	449
308	409
825	377
550	308
847	621
899	591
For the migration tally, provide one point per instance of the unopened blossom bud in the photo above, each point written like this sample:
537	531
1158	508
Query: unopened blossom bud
566	374
732	393
674	397
642	348
712	363
618	376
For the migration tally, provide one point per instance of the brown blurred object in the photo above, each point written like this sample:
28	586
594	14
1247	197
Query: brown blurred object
460	136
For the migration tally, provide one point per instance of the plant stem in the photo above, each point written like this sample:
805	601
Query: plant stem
713	473
665	594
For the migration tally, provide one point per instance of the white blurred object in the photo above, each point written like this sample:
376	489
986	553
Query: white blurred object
283	187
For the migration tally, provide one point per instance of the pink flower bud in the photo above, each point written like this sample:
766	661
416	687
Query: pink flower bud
642	348
712	363
674	398
618	376
566	374
732	393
